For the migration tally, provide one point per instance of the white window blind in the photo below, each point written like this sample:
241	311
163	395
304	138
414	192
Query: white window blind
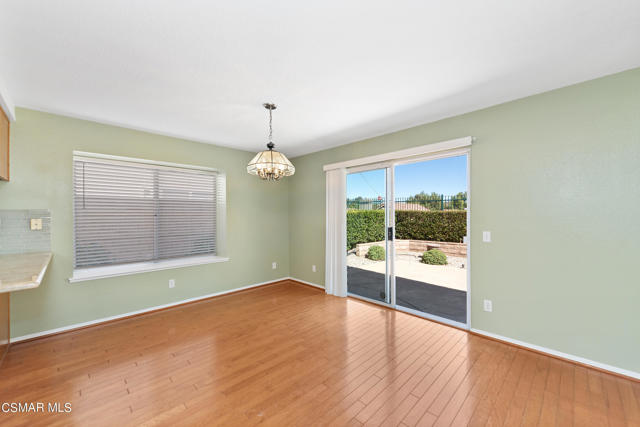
128	211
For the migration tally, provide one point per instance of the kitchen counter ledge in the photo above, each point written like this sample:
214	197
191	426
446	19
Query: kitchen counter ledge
23	271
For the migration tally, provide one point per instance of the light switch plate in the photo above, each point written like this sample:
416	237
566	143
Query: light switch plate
486	236
36	224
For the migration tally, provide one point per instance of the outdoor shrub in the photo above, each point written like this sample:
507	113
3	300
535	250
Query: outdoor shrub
376	253
364	226
441	226
434	257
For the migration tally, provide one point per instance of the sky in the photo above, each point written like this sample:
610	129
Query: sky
446	176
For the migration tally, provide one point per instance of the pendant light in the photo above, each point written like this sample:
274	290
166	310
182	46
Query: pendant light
270	164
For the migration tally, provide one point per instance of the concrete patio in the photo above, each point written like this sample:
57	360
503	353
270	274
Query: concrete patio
424	297
434	289
408	266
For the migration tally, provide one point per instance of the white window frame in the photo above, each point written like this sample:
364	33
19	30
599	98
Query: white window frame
93	273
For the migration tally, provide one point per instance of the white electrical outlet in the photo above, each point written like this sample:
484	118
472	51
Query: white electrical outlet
274	265
313	268
486	236
172	283
488	305
36	223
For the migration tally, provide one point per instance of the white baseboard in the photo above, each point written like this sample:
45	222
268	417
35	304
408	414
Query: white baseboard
307	283
560	354
133	313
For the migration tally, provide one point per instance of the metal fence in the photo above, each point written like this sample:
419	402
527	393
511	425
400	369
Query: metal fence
429	203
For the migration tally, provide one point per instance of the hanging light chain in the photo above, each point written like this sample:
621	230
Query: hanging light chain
270	125
270	107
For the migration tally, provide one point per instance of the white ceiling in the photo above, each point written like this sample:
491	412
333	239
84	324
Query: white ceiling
339	70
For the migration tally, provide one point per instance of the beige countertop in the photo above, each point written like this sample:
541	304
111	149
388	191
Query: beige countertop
22	271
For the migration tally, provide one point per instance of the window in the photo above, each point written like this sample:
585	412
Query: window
134	215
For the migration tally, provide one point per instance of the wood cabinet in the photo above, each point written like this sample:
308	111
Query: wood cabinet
4	146
4	324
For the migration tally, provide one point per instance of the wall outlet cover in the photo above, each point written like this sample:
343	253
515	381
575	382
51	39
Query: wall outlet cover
274	265
488	305
36	223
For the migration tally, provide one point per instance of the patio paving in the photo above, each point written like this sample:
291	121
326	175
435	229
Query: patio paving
425	297
408	266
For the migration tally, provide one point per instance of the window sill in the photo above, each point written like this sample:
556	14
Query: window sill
84	274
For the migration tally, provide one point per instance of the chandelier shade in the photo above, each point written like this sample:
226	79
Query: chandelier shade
270	165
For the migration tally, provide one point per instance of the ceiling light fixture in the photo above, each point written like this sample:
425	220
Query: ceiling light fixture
270	165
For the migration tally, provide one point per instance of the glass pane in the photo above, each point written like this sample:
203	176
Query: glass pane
431	223
366	236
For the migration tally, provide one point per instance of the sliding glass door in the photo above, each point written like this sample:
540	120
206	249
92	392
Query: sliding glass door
406	236
430	262
367	243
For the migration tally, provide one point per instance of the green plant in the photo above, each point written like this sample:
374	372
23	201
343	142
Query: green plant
441	226
434	257
376	253
364	226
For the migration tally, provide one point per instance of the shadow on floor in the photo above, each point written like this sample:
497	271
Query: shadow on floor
425	297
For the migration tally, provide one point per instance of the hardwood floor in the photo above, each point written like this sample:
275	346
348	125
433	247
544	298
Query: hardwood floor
288	354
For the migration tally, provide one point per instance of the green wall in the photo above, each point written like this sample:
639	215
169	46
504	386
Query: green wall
555	178
41	156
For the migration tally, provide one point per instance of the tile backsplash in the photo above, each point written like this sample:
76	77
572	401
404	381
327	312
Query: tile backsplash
16	235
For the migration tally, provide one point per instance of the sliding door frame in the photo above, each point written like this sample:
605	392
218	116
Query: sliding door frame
458	147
